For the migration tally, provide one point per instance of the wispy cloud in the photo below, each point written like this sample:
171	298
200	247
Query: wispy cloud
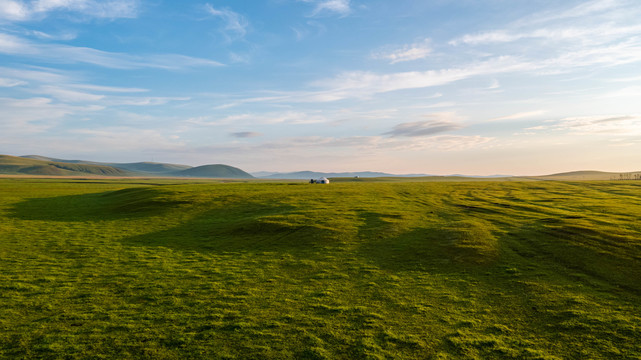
267	118
619	125
4	82
40	75
17	10
245	134
629	125
437	123
592	34
125	139
422	128
234	25
330	7
108	89
68	95
597	22
371	145
520	115
415	51
358	83
33	115
60	53
65	36
582	10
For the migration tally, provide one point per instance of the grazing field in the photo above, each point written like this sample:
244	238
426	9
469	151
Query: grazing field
356	270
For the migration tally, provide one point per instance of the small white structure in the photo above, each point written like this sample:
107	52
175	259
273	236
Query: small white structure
322	180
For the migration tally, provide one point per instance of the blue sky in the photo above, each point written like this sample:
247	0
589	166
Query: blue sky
438	87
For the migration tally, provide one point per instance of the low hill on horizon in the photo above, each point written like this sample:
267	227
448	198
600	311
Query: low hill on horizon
589	175
216	170
146	166
12	165
42	165
302	175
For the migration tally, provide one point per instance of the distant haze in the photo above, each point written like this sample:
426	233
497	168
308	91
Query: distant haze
412	87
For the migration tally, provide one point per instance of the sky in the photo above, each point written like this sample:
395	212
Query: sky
434	87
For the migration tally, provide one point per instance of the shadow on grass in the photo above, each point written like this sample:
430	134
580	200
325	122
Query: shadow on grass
110	205
248	227
455	246
223	225
584	249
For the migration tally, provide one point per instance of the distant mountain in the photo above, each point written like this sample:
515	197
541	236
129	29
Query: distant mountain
42	165
263	174
214	171
315	175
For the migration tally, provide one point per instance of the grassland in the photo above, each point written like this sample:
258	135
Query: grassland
354	270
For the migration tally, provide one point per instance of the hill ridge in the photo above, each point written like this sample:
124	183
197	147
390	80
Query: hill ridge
43	165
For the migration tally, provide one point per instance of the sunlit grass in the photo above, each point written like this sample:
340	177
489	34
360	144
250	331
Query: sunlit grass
122	269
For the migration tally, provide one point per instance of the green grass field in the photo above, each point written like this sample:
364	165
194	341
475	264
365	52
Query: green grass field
357	270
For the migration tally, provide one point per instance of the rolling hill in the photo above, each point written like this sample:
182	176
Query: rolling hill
23	166
42	165
214	171
139	167
589	175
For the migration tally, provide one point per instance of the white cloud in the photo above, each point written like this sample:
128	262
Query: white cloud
235	25
4	82
416	51
126	139
591	34
13	10
340	7
374	145
67	95
40	75
110	89
37	9
619	125
422	128
268	118
582	10
141	100
61	36
358	83
33	115
628	125
12	45
520	115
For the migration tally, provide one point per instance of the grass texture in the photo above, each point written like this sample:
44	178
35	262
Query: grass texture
105	269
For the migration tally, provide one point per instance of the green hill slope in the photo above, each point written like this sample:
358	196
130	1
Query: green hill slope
151	167
141	168
138	167
13	165
214	171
